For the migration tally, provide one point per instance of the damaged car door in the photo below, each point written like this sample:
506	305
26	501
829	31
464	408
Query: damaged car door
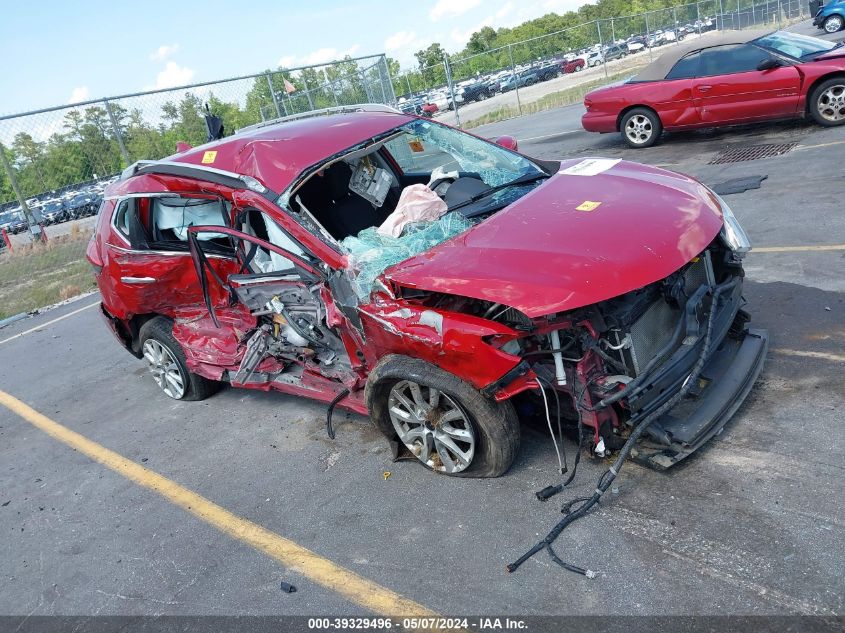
282	287
148	254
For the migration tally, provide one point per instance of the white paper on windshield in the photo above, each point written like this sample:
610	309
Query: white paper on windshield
591	166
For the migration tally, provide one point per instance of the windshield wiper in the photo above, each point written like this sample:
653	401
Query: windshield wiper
522	180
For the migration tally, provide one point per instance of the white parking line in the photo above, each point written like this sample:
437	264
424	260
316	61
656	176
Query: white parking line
539	138
43	325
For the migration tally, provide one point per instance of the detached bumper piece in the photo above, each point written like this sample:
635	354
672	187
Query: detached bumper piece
723	385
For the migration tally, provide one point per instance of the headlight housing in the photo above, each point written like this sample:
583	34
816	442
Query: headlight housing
732	232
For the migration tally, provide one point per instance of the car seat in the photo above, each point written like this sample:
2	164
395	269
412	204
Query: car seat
350	213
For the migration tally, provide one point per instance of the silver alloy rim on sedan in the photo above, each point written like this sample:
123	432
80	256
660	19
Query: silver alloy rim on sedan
164	368
639	129
831	103
833	24
432	426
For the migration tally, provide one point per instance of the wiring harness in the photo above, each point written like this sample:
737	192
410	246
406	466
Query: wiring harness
586	503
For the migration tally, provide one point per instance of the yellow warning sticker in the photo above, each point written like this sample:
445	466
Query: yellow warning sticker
588	205
209	157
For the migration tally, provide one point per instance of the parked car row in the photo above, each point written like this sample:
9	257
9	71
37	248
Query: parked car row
55	209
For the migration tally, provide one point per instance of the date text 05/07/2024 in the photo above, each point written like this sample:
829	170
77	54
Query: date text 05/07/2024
413	624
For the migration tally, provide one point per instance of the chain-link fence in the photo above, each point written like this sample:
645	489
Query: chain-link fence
61	158
560	67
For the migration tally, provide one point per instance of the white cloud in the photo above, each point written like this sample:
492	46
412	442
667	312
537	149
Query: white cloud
562	6
173	75
286	61
323	55
80	93
496	20
400	40
451	8
163	52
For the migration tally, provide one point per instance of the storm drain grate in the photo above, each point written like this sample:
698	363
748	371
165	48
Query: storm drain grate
739	154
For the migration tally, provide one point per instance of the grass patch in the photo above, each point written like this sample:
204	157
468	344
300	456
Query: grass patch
549	101
38	275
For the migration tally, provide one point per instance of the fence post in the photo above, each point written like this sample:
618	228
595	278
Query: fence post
117	135
35	229
513	72
601	48
721	17
612	32
273	95
392	91
448	67
647	39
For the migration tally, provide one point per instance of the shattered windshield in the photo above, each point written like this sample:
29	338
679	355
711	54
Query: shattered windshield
425	147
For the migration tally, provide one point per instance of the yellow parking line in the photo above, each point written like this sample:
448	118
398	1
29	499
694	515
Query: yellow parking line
320	570
43	325
797	249
836	358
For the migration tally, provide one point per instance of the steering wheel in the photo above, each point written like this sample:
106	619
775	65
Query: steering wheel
439	175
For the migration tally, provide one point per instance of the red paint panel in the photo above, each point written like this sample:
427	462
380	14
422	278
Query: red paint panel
747	96
449	340
210	349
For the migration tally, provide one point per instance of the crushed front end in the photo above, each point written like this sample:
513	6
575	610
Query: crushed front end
615	363
623	359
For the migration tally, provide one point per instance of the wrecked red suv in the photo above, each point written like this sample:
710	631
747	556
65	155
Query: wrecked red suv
502	286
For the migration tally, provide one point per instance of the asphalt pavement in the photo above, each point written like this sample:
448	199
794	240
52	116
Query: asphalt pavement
752	524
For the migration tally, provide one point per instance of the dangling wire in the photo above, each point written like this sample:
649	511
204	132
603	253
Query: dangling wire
560	463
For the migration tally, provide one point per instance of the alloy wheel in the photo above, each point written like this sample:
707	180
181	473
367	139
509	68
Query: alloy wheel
432	426
164	368
831	103
639	129
833	24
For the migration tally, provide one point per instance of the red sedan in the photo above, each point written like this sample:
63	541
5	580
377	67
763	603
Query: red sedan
731	78
573	66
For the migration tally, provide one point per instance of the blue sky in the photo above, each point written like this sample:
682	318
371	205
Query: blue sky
57	52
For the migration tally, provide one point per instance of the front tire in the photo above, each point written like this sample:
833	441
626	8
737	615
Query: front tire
833	24
827	102
445	422
166	362
641	127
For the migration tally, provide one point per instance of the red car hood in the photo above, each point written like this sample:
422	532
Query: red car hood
542	254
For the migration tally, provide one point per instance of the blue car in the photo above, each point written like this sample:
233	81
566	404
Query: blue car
831	17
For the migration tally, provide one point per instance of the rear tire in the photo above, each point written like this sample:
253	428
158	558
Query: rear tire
488	431
166	362
641	127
